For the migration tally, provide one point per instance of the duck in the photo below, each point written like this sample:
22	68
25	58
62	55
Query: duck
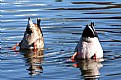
88	46
33	37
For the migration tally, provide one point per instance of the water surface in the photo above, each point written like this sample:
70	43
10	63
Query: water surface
62	23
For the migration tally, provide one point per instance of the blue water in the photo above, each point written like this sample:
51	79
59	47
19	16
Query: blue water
62	24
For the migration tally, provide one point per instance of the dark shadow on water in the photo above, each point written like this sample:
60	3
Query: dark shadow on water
58	0
89	69
33	60
100	3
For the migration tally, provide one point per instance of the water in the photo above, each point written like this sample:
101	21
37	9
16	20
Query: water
62	23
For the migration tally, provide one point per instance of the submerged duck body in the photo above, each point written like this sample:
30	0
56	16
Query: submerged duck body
89	45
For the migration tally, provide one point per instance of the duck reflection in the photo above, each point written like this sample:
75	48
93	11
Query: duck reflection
89	69
34	59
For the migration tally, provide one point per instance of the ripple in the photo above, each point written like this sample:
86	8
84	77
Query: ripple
101	3
117	17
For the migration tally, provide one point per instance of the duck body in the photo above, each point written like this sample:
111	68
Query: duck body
89	45
33	37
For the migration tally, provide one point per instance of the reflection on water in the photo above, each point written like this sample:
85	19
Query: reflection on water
33	60
89	69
